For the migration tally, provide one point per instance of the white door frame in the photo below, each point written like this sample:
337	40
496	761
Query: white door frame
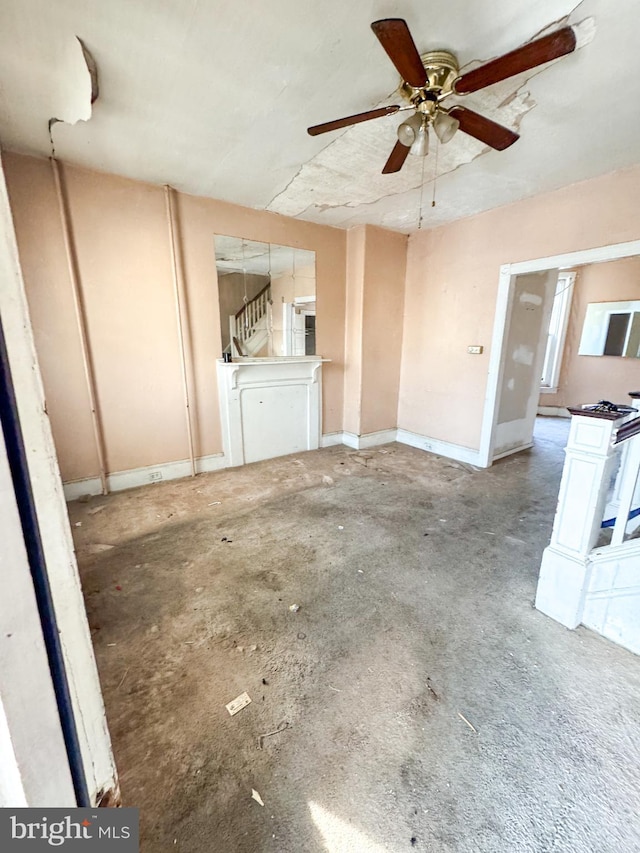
55	533
508	272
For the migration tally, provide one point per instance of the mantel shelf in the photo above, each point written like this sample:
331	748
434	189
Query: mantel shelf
285	359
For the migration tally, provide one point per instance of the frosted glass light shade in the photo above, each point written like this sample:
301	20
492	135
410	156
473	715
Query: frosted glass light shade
421	146
445	126
408	130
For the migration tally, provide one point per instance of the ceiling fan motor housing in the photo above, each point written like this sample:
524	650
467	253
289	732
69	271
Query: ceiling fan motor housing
442	71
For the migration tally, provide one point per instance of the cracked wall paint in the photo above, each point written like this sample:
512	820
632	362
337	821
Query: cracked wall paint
347	172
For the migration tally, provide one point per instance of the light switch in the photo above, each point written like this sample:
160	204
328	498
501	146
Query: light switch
475	350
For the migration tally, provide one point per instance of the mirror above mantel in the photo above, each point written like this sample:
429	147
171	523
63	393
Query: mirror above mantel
611	328
267	298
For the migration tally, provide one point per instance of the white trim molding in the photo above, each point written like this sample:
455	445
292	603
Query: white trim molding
332	439
557	336
403	436
134	477
371	439
441	448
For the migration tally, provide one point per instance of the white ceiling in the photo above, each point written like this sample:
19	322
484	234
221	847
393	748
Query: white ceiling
214	97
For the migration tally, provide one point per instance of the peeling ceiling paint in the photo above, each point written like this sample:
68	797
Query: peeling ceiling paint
321	184
348	171
214	98
81	87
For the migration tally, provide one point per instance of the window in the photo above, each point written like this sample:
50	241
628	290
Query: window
557	333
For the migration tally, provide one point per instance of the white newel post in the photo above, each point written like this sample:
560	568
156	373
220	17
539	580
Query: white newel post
612	508
589	463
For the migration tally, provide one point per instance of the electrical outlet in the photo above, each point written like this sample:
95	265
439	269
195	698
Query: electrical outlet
155	475
475	350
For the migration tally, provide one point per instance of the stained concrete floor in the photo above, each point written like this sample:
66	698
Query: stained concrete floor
424	704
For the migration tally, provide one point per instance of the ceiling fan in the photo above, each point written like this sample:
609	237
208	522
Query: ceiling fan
431	78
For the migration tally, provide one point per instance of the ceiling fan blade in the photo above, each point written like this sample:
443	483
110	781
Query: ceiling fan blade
394	36
396	159
345	122
482	128
521	59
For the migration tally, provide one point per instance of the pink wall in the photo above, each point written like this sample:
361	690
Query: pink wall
405	338
44	267
121	237
451	289
383	309
587	378
376	261
356	243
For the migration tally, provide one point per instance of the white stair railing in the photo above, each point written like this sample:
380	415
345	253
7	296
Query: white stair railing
249	320
581	581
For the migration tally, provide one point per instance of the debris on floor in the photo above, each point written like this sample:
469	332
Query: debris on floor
256	796
238	703
294	608
571	695
99	547
361	458
96	509
464	719
284	725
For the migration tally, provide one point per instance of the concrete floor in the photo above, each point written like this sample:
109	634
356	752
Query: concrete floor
415	578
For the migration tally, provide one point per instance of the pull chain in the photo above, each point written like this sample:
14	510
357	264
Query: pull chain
420	214
435	174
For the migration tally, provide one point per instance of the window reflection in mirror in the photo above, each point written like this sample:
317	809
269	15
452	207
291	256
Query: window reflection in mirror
267	297
611	328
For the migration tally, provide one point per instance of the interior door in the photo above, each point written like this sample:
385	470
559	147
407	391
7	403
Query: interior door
526	329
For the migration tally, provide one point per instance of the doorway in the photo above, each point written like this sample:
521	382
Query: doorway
513	385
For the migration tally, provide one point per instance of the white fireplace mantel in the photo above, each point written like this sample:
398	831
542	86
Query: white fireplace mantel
269	406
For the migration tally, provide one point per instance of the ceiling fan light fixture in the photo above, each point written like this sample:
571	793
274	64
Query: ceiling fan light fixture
445	126
420	147
409	129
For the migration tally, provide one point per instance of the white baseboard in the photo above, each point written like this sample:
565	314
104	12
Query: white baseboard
332	439
554	412
517	449
371	439
403	436
134	477
442	448
120	480
359	442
